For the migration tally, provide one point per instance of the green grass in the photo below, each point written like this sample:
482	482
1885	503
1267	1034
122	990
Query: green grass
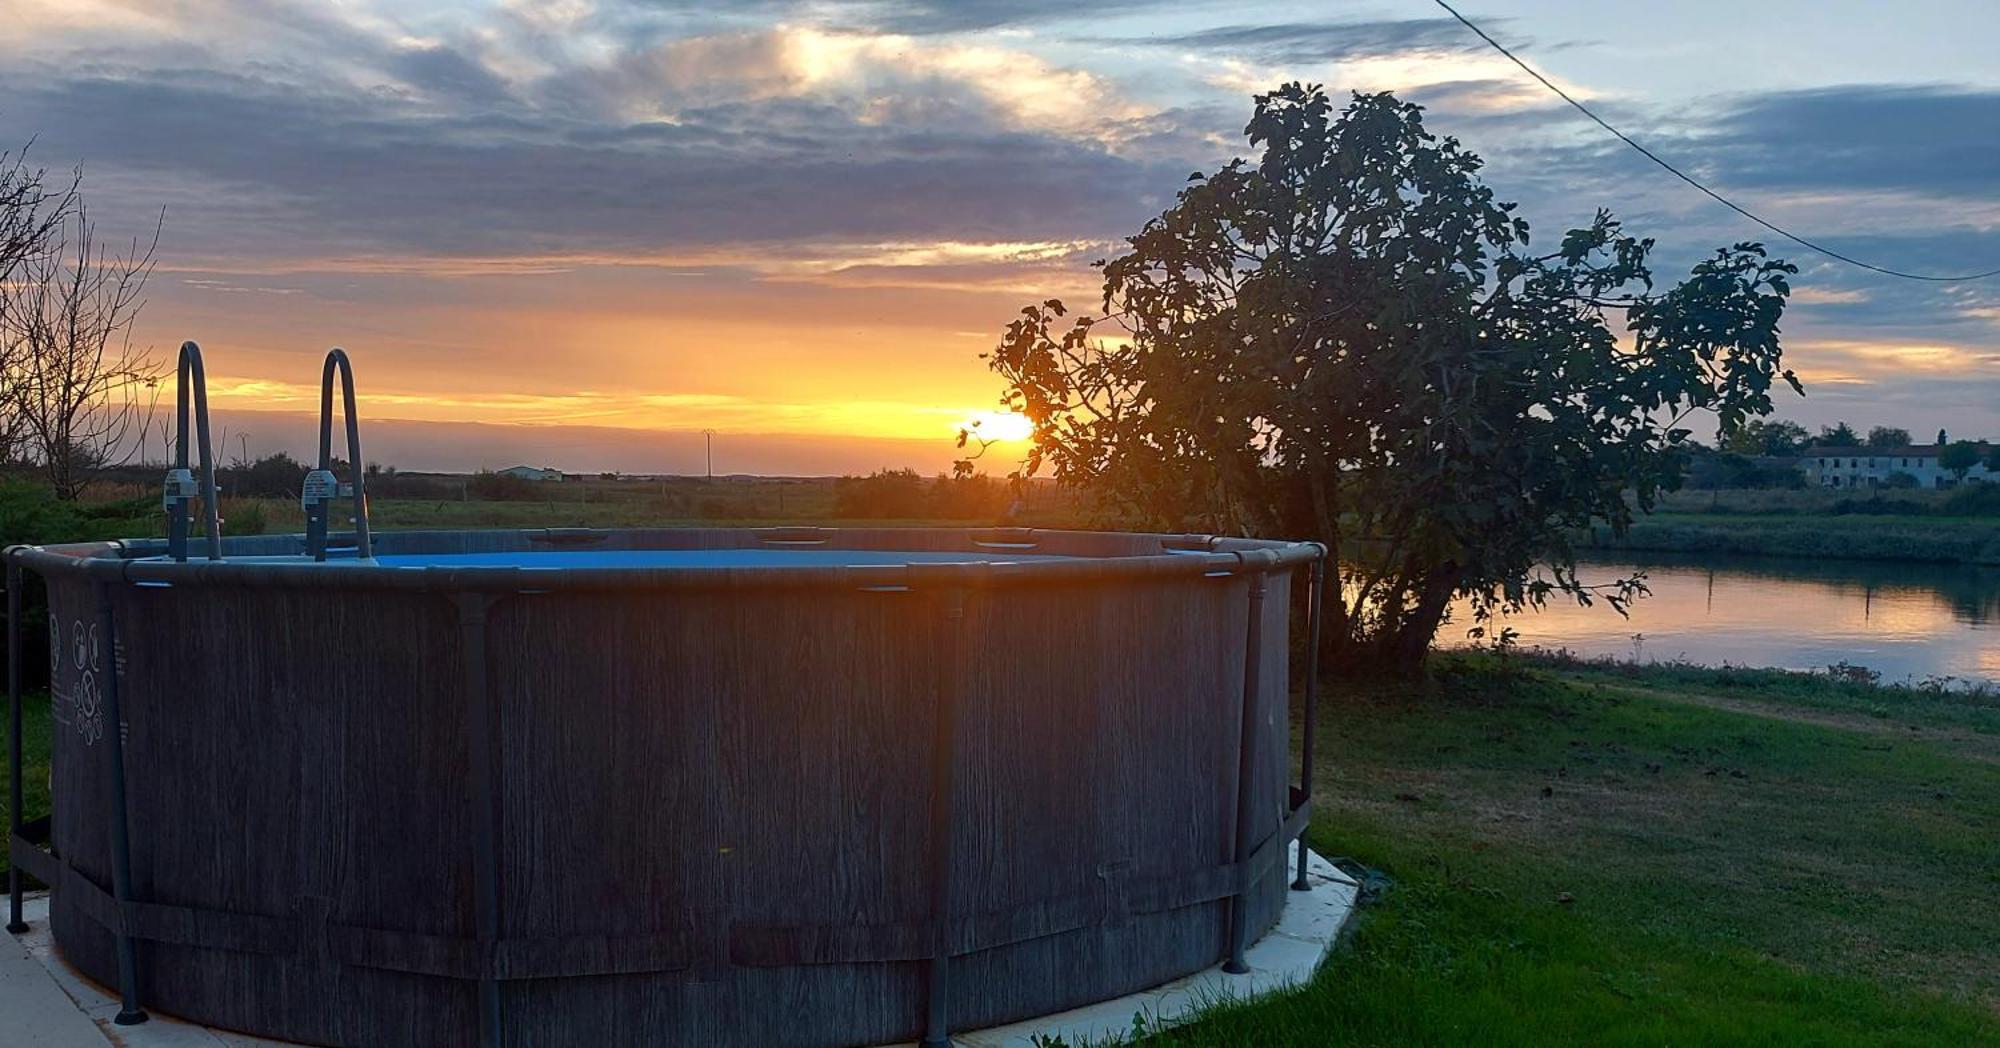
36	743
1585	855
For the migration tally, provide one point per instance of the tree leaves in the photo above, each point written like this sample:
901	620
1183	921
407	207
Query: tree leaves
1346	340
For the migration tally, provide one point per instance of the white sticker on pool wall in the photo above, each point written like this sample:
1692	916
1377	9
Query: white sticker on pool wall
83	701
89	709
86	644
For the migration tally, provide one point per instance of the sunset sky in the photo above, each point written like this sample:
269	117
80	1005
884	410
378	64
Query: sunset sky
578	232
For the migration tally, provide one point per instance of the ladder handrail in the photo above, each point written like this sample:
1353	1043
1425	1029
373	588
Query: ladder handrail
321	485
190	377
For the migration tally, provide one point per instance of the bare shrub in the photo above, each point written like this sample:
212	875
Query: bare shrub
80	394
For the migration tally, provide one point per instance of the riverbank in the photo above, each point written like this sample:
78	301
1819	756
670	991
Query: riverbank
1948	540
1605	853
1957	526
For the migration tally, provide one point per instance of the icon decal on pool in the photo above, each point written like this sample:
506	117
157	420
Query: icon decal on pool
86	697
80	703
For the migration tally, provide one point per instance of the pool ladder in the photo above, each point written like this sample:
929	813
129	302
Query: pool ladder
182	487
322	488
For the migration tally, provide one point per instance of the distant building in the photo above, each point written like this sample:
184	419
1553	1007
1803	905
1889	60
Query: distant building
538	473
1864	467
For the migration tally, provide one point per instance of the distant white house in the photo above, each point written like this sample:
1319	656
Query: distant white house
1864	467
537	473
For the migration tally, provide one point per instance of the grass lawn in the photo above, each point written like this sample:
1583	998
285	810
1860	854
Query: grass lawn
35	748
1672	856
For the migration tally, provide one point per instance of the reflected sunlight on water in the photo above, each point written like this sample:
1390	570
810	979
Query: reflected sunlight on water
1906	621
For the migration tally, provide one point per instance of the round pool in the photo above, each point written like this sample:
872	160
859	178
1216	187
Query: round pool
812	787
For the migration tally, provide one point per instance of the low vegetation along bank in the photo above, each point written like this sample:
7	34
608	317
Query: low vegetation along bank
1614	854
1925	539
1960	526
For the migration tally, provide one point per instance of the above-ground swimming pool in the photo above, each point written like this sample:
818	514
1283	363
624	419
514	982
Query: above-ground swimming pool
705	787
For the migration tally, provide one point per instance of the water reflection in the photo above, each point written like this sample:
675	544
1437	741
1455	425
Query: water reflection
1906	621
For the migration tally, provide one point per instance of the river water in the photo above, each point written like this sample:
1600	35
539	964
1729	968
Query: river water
1908	622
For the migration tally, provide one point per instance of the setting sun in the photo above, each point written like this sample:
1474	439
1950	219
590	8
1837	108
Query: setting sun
1001	426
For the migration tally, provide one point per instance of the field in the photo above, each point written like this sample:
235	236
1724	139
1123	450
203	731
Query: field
415	501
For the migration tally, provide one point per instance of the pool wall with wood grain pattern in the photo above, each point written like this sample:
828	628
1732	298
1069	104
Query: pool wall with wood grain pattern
770	787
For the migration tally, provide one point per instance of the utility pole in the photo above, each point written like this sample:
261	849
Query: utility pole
709	434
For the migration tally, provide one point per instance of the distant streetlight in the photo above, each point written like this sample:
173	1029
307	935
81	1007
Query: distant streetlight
710	435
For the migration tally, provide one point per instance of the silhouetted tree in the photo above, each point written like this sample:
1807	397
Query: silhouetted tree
1960	456
889	494
276	475
976	497
80	391
1838	435
1888	437
1346	338
501	487
31	211
1759	437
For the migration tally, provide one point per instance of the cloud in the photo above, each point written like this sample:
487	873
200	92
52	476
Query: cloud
1938	140
1813	296
275	170
883	419
465	446
1300	43
880	79
444	72
915	17
637	181
1433	61
390	146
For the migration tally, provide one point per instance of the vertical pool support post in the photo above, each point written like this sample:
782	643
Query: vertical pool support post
14	793
190	380
1309	721
129	1013
321	486
1246	746
944	755
482	735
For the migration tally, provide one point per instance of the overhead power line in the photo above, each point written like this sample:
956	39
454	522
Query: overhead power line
1683	176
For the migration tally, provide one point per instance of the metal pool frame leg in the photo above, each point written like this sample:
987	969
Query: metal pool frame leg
15	794
130	1013
944	756
1253	659
1309	723
482	738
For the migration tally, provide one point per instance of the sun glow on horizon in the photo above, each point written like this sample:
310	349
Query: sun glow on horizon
1001	426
